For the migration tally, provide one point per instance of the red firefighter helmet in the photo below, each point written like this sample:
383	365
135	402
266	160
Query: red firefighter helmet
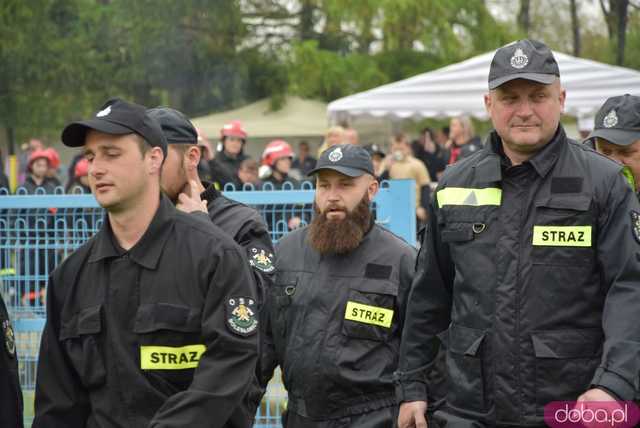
233	129
82	168
38	154
54	157
275	150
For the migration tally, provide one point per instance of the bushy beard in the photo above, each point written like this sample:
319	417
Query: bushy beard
342	236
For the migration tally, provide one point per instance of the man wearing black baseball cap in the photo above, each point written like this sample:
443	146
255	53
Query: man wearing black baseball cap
528	270
336	307
617	134
152	322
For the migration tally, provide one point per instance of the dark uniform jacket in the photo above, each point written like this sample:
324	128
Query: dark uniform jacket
224	168
531	276
162	335
245	225
336	323
10	393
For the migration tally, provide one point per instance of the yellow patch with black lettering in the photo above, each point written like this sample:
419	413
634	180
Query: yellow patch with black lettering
170	358
373	315
562	236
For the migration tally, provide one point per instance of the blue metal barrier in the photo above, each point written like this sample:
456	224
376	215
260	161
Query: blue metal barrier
38	231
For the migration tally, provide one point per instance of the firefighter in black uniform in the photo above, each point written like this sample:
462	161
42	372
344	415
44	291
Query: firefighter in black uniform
181	183
336	308
151	323
616	134
10	393
529	269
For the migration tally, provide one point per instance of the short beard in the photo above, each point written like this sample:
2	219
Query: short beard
343	236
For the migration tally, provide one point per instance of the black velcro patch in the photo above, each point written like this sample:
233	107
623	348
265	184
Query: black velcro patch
566	185
375	271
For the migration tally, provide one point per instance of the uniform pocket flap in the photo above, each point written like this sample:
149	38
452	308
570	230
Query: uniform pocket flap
566	202
165	316
368	285
465	340
86	321
582	343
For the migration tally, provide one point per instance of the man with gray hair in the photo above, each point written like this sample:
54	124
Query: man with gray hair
528	271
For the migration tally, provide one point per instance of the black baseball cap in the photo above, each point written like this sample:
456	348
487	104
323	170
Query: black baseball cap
618	120
523	59
177	128
347	159
117	117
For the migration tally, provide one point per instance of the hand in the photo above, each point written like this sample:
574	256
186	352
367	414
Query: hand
191	202
597	399
412	414
294	223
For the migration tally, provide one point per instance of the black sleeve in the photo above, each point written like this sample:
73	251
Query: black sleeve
227	367
618	243
10	393
61	401
428	313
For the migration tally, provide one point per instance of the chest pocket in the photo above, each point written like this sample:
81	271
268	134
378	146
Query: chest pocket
81	337
461	224
370	311
284	290
563	231
170	341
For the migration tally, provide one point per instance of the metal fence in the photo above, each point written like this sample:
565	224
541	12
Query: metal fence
38	231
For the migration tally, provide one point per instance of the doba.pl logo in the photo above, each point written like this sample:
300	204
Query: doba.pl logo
592	414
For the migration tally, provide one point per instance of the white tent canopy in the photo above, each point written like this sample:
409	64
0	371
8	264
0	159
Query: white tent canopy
459	88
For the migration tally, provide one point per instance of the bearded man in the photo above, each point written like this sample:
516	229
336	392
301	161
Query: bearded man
336	310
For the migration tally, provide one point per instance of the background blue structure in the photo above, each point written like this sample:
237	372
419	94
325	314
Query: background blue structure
38	231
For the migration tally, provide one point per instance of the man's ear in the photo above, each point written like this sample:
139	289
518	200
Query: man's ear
156	157
372	189
191	158
487	103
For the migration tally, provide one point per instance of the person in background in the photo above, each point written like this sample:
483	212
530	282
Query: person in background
617	135
350	136
80	182
38	169
248	175
377	158
54	165
304	161
401	165
28	148
429	152
224	167
464	142
442	140
334	136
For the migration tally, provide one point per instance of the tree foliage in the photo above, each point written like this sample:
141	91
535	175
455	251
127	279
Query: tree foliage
60	59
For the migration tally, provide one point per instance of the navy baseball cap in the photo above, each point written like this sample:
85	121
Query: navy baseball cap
618	120
523	59
347	159
117	117
177	128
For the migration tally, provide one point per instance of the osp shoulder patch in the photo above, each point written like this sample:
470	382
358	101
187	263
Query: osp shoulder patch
261	260
635	225
241	316
9	338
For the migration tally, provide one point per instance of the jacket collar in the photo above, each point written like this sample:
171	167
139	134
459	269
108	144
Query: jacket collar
147	251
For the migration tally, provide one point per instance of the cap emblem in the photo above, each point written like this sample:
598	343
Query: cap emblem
335	155
105	112
519	59
610	120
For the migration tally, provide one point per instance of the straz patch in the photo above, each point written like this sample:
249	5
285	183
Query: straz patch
170	358
366	314
9	338
261	260
635	225
241	316
562	236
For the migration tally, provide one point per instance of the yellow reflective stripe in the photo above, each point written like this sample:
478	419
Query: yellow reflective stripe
170	358
626	172
373	315
562	236
7	271
468	196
